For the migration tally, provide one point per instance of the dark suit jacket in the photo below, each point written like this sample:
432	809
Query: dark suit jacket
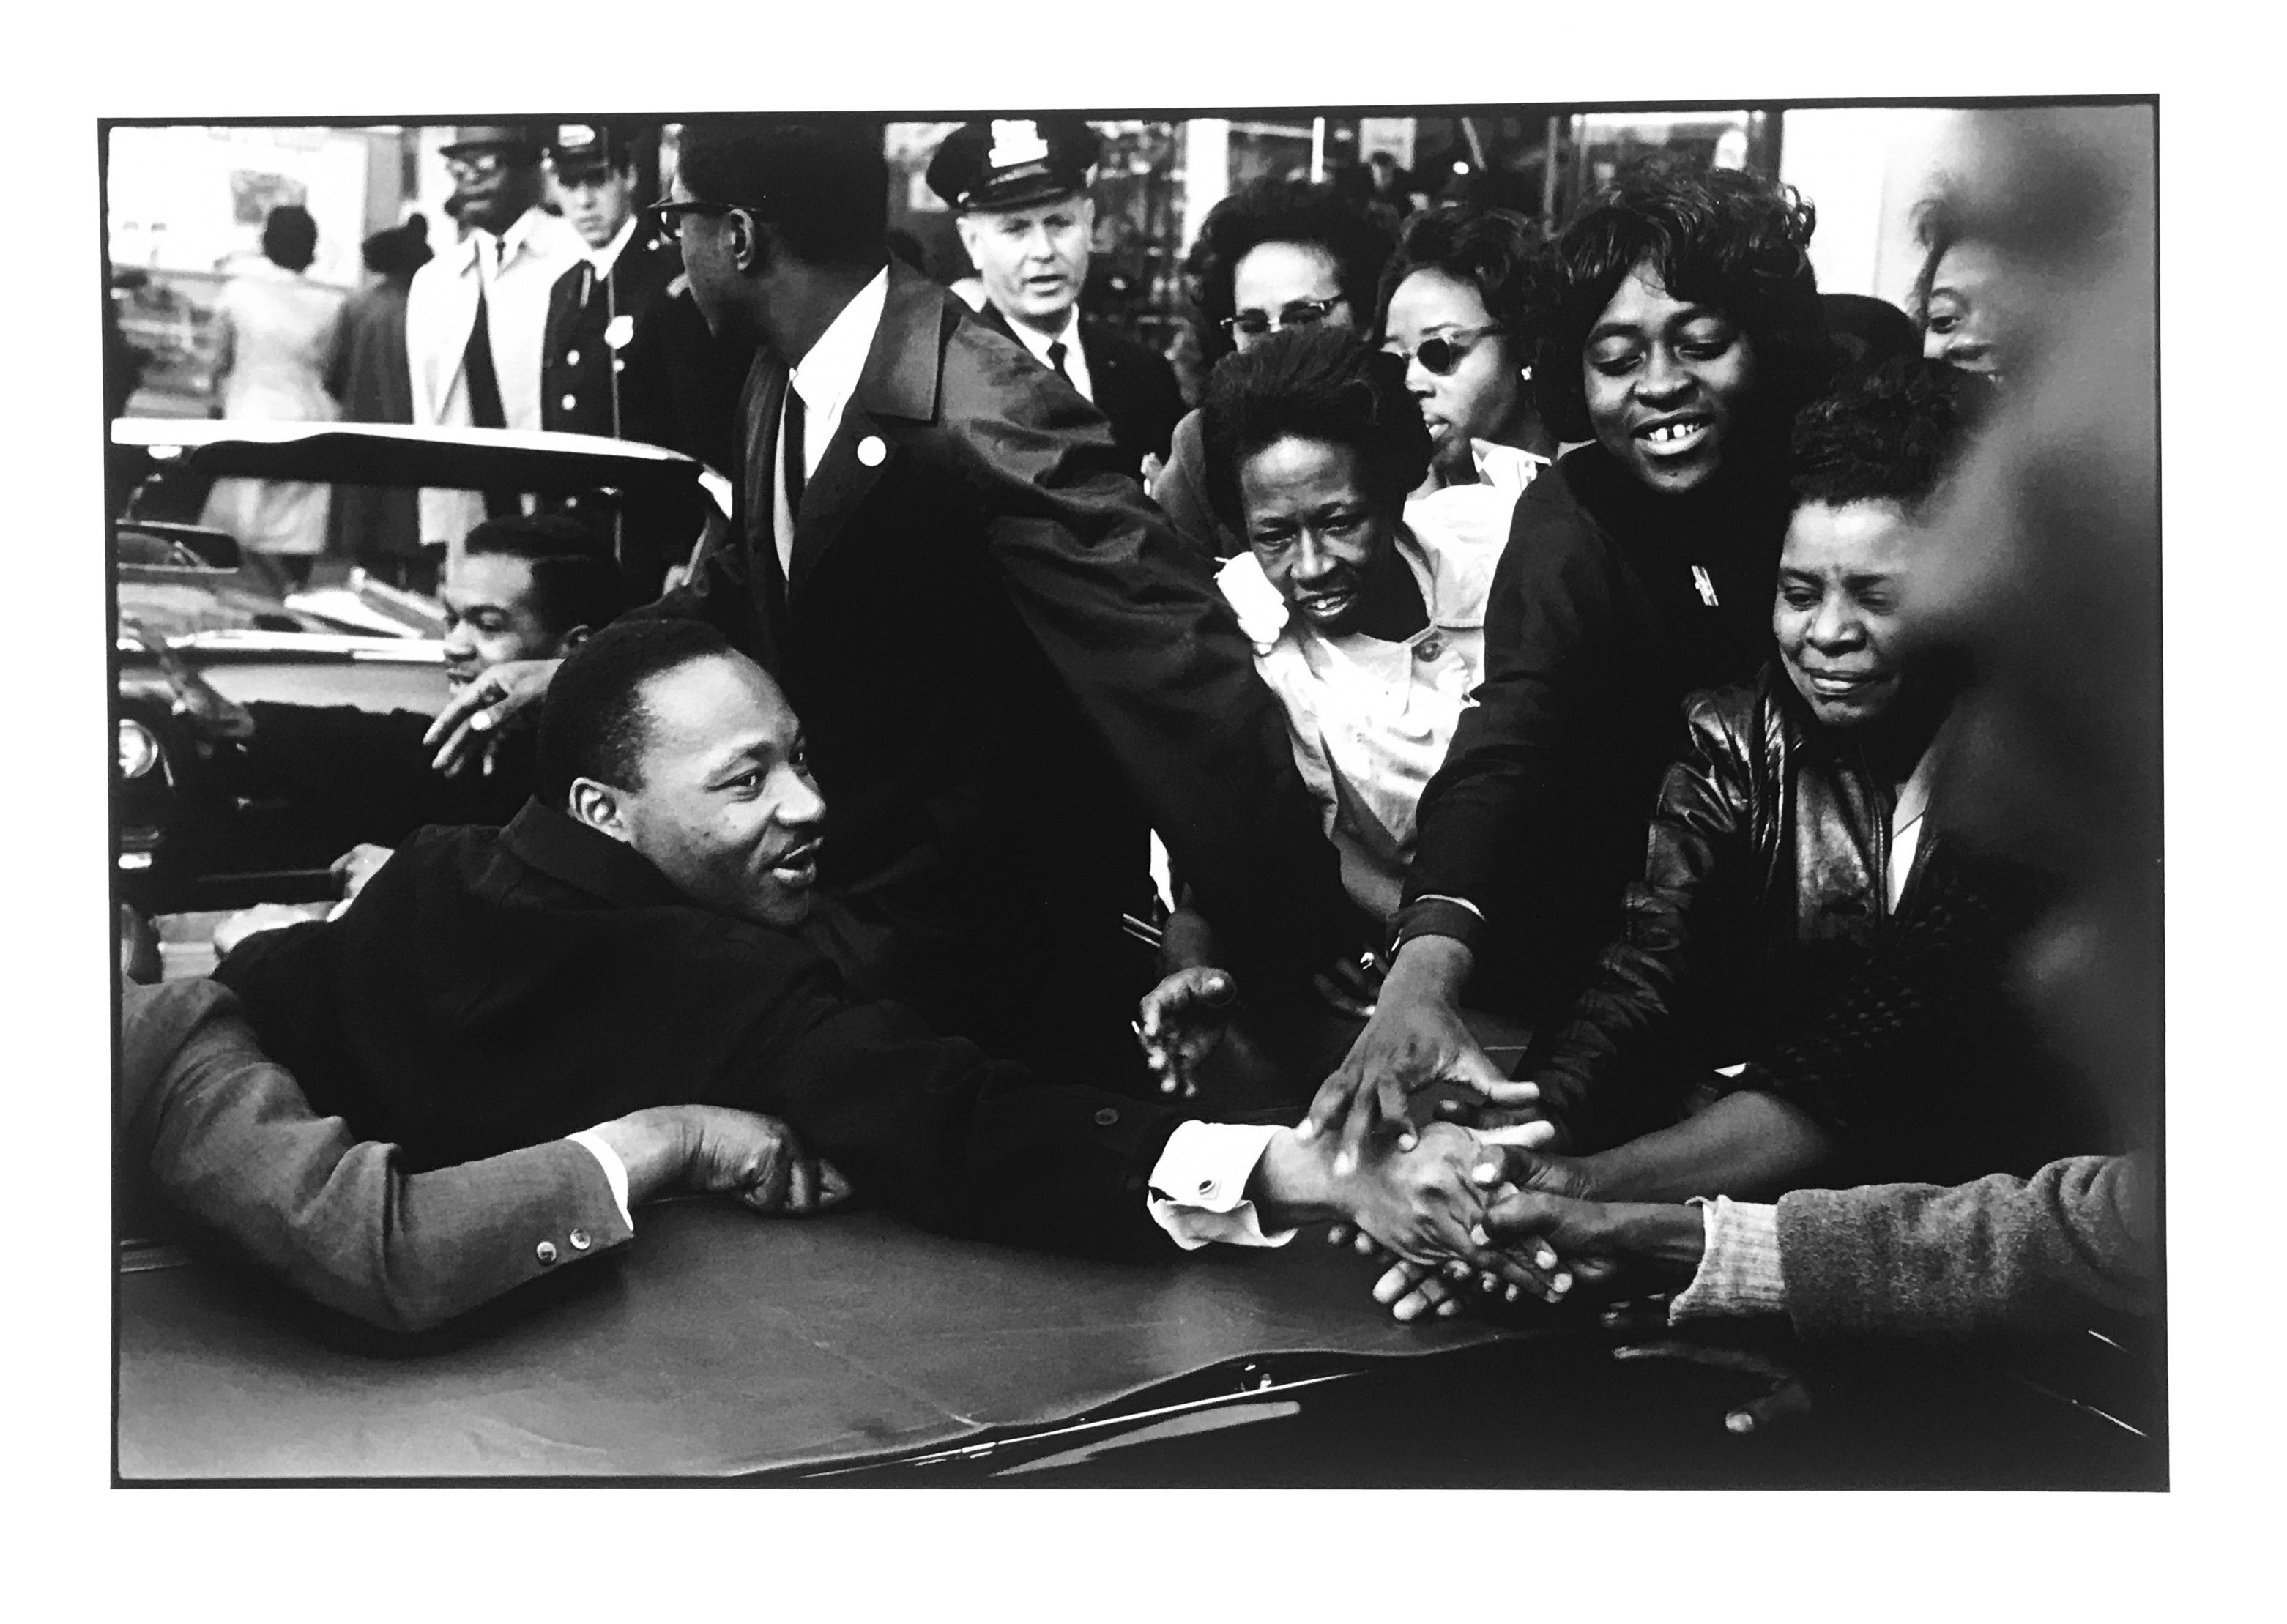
1135	387
1006	664
493	988
226	1135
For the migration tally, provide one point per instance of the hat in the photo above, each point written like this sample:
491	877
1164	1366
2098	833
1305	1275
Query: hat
575	148
466	138
1006	163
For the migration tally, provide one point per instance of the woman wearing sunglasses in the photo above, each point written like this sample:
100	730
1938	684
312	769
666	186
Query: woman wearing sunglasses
1274	256
1678	329
1454	310
1367	607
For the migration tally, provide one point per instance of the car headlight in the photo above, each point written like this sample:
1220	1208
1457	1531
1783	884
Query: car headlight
139	748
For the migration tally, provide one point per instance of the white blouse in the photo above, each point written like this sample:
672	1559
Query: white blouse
1369	720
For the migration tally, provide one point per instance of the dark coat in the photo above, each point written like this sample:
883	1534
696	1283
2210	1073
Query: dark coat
1135	387
1007	665
494	989
1762	891
365	776
580	368
1597	628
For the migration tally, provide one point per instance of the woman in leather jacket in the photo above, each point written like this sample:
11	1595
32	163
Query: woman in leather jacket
1785	839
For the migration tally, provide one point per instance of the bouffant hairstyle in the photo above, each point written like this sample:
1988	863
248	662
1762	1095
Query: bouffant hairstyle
1889	434
1497	251
594	723
290	237
1721	238
575	581
822	183
1315	384
1354	235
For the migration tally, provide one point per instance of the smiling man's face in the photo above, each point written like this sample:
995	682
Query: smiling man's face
1666	382
725	807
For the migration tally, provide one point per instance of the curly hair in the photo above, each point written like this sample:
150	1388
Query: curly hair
1313	384
1721	238
1889	434
1497	251
1356	237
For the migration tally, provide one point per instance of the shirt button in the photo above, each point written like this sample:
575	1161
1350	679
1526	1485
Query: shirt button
570	401
581	1240
546	1252
1207	1186
1106	1117
571	358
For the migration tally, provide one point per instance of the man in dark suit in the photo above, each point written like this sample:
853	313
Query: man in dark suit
630	940
1008	664
1018	190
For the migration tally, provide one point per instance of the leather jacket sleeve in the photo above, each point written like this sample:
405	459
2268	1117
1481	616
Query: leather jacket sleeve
1611	1073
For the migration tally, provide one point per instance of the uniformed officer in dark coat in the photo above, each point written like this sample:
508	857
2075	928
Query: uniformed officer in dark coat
626	353
1018	189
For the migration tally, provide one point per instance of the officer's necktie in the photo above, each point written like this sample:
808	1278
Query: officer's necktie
1057	353
587	284
484	408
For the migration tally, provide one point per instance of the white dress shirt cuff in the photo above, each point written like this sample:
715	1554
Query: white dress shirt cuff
1739	1268
1199	1185
615	1171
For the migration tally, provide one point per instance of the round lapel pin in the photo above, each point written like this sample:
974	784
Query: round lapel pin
872	452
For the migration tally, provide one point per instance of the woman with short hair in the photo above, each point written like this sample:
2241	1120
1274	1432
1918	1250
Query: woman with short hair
1274	256
1679	330
1456	307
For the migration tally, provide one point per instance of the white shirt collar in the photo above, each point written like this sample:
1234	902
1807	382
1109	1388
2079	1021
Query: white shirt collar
827	377
1037	342
608	256
518	237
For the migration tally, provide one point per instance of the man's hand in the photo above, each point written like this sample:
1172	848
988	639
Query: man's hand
1418	1204
1180	1022
712	1150
235	928
469	725
1410	1289
1416	1040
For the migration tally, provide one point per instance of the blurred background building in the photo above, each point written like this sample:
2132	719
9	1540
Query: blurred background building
186	202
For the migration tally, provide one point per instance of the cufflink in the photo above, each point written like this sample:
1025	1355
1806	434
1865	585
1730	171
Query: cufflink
546	1252
581	1240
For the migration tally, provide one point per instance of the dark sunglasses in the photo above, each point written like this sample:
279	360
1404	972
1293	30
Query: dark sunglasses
1440	355
1301	313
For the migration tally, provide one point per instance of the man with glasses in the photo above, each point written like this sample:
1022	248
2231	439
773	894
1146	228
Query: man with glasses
1008	665
475	314
1018	190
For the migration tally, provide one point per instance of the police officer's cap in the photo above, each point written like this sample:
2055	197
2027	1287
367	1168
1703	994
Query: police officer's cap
577	149
1009	162
513	138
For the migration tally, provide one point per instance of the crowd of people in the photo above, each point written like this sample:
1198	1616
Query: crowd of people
1579	644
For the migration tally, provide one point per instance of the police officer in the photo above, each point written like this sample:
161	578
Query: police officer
1018	190
594	307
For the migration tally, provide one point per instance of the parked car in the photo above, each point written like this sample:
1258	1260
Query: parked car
185	604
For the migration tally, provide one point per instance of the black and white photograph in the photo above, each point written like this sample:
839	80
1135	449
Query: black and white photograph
1463	798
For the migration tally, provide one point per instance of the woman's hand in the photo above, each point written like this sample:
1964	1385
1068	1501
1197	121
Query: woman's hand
1181	1020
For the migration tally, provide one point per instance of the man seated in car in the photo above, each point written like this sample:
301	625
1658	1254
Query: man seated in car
630	940
522	589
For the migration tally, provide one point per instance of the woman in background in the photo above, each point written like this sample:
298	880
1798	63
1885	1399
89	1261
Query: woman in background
274	334
378	527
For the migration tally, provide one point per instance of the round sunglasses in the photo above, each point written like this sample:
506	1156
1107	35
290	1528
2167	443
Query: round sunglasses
1439	355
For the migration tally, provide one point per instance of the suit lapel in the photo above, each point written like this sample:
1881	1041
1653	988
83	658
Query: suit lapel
898	385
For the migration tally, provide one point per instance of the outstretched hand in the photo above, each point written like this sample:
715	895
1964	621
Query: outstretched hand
467	730
1411	1045
757	1160
1179	1023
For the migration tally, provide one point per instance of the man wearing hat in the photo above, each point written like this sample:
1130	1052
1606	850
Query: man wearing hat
594	308
476	314
1018	190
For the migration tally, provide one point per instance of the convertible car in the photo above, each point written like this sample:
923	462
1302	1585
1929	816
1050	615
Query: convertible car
185	606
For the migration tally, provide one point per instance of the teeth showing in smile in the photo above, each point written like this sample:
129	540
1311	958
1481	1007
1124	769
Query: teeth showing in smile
1668	434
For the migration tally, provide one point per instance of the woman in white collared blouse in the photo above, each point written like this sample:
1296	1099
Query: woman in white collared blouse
1363	593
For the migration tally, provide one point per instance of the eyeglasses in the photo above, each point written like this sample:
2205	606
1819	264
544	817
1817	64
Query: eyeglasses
667	213
1443	352
479	165
1301	313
